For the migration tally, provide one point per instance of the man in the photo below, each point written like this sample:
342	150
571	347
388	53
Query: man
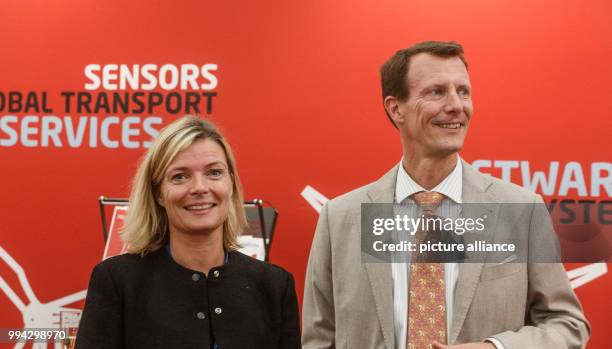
350	304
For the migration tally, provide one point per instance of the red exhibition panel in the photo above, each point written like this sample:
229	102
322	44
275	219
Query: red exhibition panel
294	85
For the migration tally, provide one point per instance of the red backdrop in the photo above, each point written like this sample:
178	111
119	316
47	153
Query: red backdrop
298	97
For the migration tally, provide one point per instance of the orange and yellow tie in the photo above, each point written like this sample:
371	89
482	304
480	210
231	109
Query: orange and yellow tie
427	302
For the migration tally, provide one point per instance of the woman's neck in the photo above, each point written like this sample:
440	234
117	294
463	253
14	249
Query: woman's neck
197	252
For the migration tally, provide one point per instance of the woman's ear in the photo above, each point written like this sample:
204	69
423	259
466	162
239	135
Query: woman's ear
159	198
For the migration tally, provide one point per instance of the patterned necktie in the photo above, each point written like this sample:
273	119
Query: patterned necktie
427	302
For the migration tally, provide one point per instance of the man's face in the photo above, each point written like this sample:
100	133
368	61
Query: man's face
434	119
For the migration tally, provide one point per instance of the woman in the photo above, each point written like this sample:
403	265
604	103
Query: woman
183	283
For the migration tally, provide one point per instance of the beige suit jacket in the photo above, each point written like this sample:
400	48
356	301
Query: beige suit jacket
349	304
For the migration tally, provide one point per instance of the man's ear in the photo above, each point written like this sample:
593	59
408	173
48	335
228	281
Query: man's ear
391	104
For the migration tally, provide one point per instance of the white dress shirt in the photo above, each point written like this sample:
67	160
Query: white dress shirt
451	187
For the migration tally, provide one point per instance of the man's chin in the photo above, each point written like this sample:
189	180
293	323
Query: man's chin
447	151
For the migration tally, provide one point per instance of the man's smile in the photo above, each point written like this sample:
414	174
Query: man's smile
449	125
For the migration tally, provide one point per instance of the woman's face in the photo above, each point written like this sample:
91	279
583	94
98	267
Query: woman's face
196	190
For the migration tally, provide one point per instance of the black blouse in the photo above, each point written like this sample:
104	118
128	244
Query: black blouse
153	302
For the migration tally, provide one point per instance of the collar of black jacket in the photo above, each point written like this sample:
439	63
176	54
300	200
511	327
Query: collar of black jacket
234	262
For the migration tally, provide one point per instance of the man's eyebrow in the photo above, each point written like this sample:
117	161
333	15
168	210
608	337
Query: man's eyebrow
432	85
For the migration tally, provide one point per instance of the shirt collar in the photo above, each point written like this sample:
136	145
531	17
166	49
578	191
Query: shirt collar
451	186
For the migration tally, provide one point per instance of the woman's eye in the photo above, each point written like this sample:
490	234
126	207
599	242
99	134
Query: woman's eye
215	172
178	177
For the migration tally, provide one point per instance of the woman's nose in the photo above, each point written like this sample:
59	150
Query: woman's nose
199	185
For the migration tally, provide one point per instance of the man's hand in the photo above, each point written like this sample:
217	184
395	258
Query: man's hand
479	345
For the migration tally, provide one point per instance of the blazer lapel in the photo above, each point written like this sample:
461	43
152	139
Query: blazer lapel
379	274
474	189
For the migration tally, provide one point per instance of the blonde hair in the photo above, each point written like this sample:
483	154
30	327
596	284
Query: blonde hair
146	225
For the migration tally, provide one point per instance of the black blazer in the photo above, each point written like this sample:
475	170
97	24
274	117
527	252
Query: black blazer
153	302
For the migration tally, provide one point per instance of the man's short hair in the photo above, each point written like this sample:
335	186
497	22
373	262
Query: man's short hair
394	72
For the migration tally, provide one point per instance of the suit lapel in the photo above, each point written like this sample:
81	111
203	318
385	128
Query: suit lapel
473	191
379	274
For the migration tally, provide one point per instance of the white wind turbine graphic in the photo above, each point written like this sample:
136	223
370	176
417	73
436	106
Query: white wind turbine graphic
36	315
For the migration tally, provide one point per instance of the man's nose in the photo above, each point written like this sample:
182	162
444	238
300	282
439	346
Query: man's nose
453	102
